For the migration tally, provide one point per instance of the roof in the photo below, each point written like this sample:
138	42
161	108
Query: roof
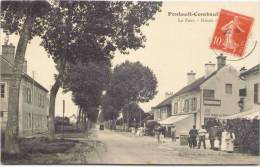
30	79
256	68
173	119
194	86
249	114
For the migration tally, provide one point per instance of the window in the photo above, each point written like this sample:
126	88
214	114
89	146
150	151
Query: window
30	120
256	93
193	104
2	87
39	99
228	88
29	95
164	113
186	106
242	92
208	94
176	108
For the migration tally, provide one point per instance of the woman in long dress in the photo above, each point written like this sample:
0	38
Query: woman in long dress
230	141
224	141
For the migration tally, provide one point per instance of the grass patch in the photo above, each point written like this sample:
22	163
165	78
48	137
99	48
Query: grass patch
40	145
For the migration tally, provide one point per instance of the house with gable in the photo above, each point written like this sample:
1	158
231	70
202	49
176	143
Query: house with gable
249	93
33	97
212	96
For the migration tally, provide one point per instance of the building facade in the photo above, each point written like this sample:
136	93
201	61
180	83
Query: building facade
250	93
212	96
33	97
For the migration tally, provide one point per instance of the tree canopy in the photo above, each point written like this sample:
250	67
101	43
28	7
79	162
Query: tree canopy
132	114
130	83
87	82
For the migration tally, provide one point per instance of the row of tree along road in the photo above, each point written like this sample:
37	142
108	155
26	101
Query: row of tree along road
81	37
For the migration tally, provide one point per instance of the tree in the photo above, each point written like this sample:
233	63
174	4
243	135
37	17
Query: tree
23	18
94	30
133	82
87	82
132	114
130	83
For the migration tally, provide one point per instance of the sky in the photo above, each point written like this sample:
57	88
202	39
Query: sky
173	48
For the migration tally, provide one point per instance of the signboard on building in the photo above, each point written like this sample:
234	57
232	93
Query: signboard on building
212	102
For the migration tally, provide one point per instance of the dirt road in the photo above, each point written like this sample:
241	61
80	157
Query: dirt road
125	148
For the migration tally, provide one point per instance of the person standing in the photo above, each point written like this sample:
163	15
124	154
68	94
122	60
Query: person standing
157	134
193	137
230	137
202	137
224	141
212	136
173	134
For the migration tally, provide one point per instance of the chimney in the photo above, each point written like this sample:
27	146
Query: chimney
209	69
190	77
221	61
25	66
168	94
8	53
243	69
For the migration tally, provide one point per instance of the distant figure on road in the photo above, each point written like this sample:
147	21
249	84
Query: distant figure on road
193	137
162	133
173	133
157	134
202	137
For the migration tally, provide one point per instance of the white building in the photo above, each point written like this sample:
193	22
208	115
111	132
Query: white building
249	95
214	95
33	97
252	88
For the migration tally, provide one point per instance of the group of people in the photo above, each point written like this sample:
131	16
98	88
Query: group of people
194	134
220	138
160	132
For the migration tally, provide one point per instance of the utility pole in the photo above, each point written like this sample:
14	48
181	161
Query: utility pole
32	98
140	118
63	111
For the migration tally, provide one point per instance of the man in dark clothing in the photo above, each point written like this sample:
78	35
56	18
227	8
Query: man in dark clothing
193	137
212	136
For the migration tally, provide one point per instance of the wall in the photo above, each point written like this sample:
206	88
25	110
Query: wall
184	126
4	104
40	112
229	102
249	99
162	113
33	116
181	99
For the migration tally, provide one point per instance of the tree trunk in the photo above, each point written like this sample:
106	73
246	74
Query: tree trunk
79	118
12	127
53	93
85	120
82	118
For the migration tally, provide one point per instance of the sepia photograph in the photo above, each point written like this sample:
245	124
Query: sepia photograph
129	82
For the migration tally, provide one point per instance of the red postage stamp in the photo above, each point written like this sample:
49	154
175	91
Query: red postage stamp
231	33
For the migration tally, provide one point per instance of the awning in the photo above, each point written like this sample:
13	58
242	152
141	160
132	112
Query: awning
249	114
171	120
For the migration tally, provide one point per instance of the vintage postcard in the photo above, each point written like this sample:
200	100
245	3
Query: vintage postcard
129	82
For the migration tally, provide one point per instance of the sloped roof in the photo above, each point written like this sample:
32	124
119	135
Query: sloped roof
251	70
249	114
30	79
194	86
